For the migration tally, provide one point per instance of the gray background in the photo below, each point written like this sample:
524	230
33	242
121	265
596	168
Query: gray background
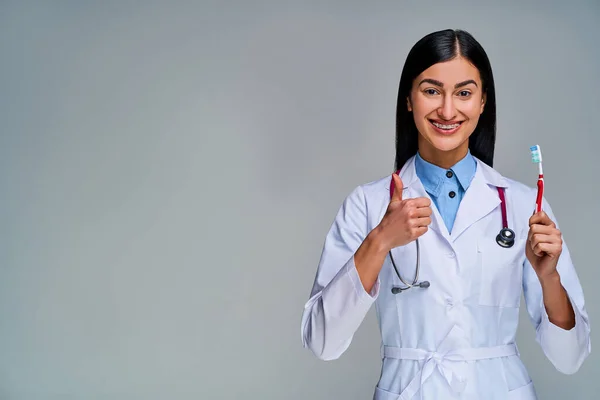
169	171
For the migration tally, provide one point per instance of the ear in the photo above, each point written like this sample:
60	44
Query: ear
483	100
408	105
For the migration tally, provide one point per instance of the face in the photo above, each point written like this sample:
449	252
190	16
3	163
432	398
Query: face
446	101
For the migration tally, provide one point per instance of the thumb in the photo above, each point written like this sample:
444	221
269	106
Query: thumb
398	185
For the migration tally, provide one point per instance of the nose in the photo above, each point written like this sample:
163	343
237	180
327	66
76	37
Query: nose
447	111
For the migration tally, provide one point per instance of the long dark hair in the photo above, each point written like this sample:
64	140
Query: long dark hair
439	47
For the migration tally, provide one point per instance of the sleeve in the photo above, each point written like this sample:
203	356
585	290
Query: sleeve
338	302
566	349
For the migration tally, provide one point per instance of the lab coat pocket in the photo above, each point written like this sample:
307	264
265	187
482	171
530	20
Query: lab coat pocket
526	392
381	394
500	273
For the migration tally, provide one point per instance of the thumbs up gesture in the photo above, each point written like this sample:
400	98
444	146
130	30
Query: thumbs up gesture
405	220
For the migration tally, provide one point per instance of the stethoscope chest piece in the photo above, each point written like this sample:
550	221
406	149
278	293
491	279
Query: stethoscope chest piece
506	238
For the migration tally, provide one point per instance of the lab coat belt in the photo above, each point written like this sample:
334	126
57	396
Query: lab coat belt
465	354
443	361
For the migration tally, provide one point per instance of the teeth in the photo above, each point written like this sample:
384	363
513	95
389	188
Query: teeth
448	127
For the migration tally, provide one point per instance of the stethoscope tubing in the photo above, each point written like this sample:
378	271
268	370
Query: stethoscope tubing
505	239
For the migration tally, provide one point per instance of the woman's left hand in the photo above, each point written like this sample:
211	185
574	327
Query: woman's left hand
544	245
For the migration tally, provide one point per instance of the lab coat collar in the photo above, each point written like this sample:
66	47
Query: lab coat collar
480	199
485	172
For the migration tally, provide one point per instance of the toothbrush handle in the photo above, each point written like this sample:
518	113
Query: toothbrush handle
540	194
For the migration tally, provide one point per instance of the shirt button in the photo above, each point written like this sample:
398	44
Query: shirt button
451	254
452	194
449	174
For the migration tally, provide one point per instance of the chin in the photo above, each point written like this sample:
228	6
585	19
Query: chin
446	143
446	147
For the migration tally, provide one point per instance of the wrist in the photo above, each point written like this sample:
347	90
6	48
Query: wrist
549	280
376	240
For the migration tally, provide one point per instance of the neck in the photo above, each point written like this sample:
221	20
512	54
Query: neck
443	159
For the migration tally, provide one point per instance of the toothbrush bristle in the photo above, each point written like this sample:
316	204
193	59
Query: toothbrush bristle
536	154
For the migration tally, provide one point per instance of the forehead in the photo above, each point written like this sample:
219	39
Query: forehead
451	72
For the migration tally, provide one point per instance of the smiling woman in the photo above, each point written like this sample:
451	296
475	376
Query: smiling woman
453	334
447	80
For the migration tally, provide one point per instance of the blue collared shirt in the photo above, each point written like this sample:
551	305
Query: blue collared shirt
446	187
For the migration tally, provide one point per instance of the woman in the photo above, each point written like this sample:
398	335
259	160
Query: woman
454	338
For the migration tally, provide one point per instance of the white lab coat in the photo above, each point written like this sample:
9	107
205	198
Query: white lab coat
455	339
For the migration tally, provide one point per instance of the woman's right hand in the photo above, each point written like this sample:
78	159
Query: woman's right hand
404	220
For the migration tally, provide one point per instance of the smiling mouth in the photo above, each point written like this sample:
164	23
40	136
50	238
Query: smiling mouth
446	127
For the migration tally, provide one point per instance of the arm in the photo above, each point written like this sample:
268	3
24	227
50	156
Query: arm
556	302
556	306
339	301
369	258
347	280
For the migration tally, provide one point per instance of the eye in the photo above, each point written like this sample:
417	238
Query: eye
430	92
464	93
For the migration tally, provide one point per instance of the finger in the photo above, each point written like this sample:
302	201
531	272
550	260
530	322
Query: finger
419	212
422	221
538	238
536	218
542	229
545	243
418	231
550	249
420	202
398	185
541	218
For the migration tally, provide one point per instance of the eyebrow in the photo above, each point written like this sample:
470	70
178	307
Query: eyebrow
440	84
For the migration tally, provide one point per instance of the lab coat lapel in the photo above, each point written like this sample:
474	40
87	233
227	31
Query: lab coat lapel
479	200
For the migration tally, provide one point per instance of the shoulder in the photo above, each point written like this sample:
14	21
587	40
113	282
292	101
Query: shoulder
374	190
365	198
516	189
521	199
520	196
519	190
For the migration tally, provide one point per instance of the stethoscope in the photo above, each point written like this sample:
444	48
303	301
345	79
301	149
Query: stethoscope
505	238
